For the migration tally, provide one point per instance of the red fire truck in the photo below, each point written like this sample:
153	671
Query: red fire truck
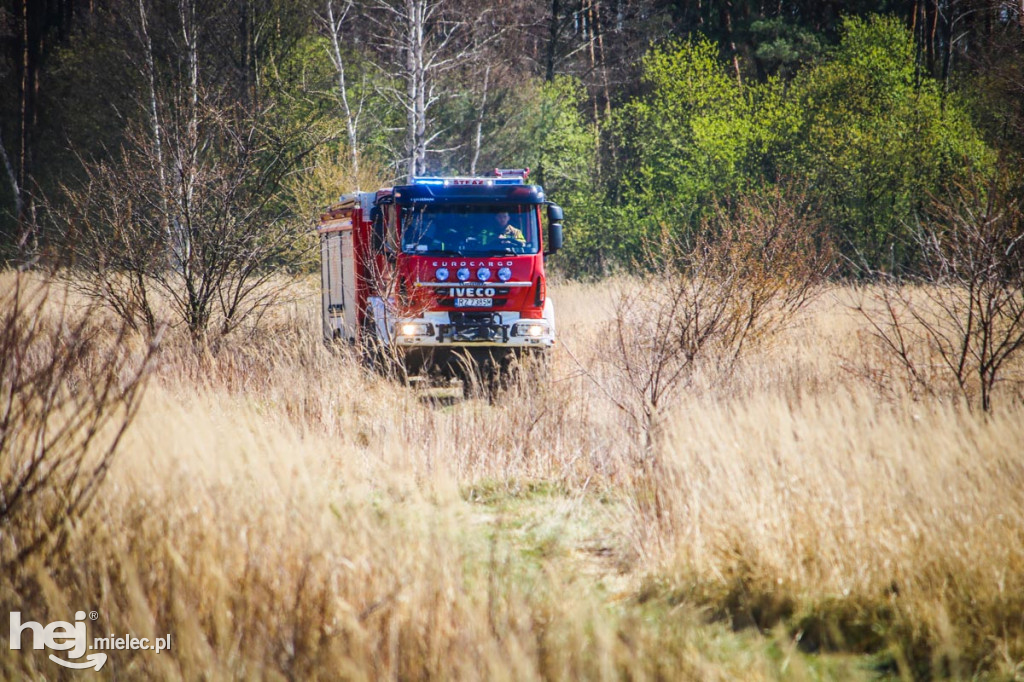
442	274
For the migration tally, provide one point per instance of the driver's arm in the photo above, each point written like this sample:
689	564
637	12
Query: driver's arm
513	232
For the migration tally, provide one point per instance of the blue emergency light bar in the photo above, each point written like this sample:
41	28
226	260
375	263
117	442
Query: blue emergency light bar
468	190
467	182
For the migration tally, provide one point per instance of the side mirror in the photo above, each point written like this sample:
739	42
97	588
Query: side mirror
554	228
554	237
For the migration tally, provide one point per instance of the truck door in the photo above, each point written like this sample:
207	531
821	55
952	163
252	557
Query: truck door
338	281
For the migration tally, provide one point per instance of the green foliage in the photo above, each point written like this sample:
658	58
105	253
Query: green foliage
871	138
307	91
559	144
561	148
686	141
687	137
878	141
546	132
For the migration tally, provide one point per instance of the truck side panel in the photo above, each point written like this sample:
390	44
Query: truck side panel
348	283
325	286
337	272
337	277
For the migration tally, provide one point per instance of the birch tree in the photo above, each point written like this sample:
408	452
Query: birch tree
148	69
481	112
190	210
427	39
332	22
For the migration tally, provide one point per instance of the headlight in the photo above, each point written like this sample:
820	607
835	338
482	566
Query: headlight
483	274
441	274
532	328
414	329
505	274
462	274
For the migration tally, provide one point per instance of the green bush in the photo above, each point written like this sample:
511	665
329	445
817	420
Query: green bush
870	138
878	140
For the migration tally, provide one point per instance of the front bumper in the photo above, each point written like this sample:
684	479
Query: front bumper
501	329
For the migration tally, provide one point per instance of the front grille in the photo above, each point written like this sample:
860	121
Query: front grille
474	326
473	317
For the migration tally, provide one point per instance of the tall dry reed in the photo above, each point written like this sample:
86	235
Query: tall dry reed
285	513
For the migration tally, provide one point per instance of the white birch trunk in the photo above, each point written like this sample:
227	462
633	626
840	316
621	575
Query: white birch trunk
334	25
173	254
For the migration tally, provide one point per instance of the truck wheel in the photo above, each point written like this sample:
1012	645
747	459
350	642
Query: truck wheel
529	370
498	374
468	369
476	371
503	374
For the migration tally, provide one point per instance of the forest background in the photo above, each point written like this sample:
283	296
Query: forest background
636	116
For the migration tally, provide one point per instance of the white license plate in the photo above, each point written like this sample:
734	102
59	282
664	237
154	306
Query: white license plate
474	302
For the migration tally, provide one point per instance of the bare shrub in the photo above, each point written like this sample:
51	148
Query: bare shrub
958	325
196	218
708	300
66	398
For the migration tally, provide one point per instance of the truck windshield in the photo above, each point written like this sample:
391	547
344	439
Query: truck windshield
470	230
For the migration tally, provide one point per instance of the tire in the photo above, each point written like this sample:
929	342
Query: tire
489	373
532	370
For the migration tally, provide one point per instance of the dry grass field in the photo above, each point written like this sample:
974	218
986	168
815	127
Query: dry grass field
286	514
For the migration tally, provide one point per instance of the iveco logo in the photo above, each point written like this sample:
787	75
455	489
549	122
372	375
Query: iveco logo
472	291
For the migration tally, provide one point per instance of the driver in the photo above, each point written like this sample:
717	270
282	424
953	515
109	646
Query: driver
506	230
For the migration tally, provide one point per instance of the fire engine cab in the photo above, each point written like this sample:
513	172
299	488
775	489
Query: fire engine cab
442	273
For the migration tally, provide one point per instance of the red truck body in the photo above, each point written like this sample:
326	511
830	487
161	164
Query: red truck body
441	270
